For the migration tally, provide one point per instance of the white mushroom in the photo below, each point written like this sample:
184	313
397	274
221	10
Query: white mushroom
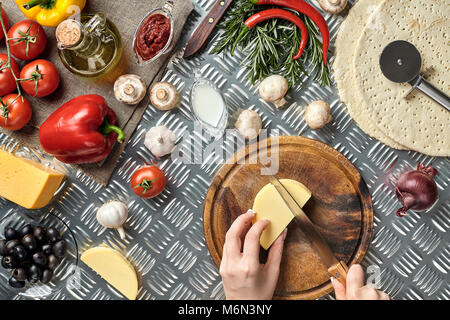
333	6
273	89
317	114
164	96
249	124
160	141
130	89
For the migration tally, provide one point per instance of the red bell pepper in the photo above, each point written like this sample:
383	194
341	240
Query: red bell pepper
82	130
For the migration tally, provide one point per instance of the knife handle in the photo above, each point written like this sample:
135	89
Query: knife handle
339	272
206	27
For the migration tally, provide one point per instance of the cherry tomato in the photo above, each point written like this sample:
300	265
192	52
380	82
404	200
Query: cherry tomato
148	181
7	81
43	78
15	112
6	22
28	39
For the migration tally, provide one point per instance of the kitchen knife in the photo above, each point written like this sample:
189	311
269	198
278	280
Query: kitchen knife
205	28
336	269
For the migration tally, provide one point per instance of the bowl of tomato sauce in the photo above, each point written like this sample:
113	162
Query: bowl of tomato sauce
154	35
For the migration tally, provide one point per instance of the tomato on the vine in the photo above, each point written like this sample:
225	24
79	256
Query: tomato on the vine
15	112
7	81
148	182
42	78
5	22
28	40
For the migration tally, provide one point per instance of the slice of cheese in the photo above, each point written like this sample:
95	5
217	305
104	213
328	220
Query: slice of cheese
112	266
268	204
27	183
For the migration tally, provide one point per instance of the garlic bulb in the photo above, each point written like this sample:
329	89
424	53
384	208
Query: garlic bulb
113	215
160	141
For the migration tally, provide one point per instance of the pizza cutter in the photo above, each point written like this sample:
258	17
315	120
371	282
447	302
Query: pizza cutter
401	62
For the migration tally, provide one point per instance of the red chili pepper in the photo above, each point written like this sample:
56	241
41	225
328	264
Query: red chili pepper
81	131
281	14
308	10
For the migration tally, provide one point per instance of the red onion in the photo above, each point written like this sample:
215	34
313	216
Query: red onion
416	189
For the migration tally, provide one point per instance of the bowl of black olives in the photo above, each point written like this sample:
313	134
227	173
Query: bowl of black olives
39	254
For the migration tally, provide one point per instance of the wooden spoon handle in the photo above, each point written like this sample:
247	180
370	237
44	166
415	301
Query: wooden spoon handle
339	272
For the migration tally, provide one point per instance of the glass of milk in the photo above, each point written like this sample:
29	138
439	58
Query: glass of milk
209	108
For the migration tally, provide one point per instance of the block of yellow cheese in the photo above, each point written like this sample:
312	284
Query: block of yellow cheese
268	204
27	183
112	266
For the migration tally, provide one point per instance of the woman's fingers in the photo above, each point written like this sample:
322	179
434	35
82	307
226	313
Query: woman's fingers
233	242
355	279
339	289
275	254
251	243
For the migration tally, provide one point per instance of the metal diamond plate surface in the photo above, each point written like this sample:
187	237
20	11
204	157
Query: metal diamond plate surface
165	239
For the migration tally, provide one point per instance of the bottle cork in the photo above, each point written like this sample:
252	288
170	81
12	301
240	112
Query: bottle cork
68	33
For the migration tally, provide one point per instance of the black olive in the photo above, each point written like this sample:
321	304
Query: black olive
53	235
47	275
27	229
10	245
53	262
26	264
20	252
9	262
2	247
47	249
60	248
20	274
13	282
40	234
11	234
34	273
29	242
40	258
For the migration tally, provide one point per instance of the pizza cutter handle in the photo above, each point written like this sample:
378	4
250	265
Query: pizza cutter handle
339	272
433	92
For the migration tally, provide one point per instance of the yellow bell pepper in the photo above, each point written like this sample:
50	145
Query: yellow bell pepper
50	13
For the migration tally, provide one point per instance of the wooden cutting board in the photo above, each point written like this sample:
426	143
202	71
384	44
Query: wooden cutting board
340	208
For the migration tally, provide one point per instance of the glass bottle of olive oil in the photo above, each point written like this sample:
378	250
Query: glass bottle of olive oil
91	47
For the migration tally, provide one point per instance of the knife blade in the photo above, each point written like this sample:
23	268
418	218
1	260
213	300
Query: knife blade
337	269
205	28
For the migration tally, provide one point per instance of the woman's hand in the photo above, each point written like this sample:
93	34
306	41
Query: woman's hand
243	277
356	290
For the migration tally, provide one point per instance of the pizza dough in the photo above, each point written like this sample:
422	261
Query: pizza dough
347	39
268	204
418	122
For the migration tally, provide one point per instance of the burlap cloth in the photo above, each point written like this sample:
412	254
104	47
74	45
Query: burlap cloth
126	15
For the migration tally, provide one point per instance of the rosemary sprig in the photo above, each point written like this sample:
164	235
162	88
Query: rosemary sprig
270	46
